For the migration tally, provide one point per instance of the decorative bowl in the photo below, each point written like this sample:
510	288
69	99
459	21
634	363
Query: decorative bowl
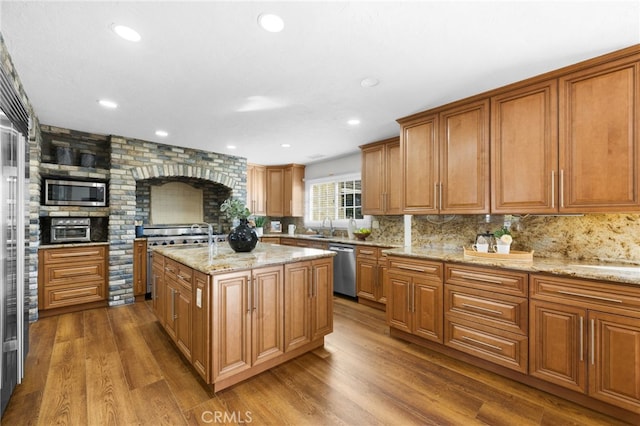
361	235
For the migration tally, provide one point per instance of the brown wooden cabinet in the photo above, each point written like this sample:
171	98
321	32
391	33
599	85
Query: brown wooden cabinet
200	353
139	268
486	314
257	189
158	286
415	297
371	276
599	146
177	305
585	337
447	153
285	190
381	177
270	240
299	242
72	277
524	149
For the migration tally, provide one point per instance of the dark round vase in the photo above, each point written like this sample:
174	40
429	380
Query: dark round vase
243	238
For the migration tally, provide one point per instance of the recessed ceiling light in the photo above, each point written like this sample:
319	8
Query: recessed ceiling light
369	82
231	147
162	133
285	145
108	104
270	22
353	122
126	33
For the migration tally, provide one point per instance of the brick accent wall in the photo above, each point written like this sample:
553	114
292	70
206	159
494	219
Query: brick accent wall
136	163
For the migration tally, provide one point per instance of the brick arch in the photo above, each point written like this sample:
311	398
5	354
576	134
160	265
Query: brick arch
181	170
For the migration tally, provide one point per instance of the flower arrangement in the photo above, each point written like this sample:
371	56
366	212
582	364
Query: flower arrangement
234	208
503	235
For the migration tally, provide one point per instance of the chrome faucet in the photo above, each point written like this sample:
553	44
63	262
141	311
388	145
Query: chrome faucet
331	230
213	242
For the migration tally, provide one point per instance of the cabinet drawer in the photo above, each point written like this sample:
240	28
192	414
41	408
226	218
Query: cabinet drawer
64	274
184	275
415	266
585	293
494	345
56	297
370	252
171	268
73	254
492	279
158	260
509	313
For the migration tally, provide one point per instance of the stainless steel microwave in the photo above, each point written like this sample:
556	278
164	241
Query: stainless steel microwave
75	193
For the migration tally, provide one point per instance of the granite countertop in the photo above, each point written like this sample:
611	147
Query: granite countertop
618	272
341	240
226	260
69	245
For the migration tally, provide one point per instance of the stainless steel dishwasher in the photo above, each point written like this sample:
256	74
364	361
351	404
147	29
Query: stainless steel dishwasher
344	269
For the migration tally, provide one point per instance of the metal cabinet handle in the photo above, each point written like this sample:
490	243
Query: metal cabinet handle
553	194
581	338
478	278
589	296
254	296
478	342
561	188
249	291
413	297
410	268
435	195
155	285
479	308
440	204
173	304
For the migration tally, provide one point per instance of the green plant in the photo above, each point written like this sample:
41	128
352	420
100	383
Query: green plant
234	208
259	221
501	231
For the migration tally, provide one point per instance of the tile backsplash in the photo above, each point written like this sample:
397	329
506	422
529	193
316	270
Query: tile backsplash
598	237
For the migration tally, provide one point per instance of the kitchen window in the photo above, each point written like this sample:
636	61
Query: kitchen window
336	197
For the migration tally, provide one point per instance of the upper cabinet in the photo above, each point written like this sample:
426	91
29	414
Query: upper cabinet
381	177
599	154
257	189
445	160
285	190
524	150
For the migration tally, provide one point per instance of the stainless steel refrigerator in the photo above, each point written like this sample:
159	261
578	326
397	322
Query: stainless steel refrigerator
14	277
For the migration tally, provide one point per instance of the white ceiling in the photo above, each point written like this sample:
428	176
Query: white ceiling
200	64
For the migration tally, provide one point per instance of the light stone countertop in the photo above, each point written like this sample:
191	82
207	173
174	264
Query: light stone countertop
226	260
69	245
617	272
341	240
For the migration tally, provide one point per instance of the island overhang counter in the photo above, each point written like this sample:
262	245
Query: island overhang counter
235	315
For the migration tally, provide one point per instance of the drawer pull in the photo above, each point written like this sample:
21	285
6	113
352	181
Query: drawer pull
411	268
493	311
477	278
366	252
588	296
488	345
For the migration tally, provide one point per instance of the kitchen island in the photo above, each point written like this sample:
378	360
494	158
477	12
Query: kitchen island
235	315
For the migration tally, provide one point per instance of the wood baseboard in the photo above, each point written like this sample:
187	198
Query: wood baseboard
578	398
376	305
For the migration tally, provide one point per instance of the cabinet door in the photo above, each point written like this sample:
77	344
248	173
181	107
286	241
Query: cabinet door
383	280
256	189
158	290
614	370
524	150
297	305
266	302
139	267
399	303
557	344
231	352
183	320
321	298
293	189
599	152
393	178
464	159
171	292
373	183
427	309
275	191
420	184
201	338
366	278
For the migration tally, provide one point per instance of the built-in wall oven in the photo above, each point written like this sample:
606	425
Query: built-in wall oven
70	230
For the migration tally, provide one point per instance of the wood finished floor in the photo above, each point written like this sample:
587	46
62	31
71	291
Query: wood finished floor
117	367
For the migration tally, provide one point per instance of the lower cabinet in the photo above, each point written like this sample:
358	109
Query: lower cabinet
587	338
371	276
234	325
72	277
140	268
415	297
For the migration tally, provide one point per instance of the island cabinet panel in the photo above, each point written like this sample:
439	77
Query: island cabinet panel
321	298
586	337
267	306
178	310
72	277
599	155
297	313
524	150
200	354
